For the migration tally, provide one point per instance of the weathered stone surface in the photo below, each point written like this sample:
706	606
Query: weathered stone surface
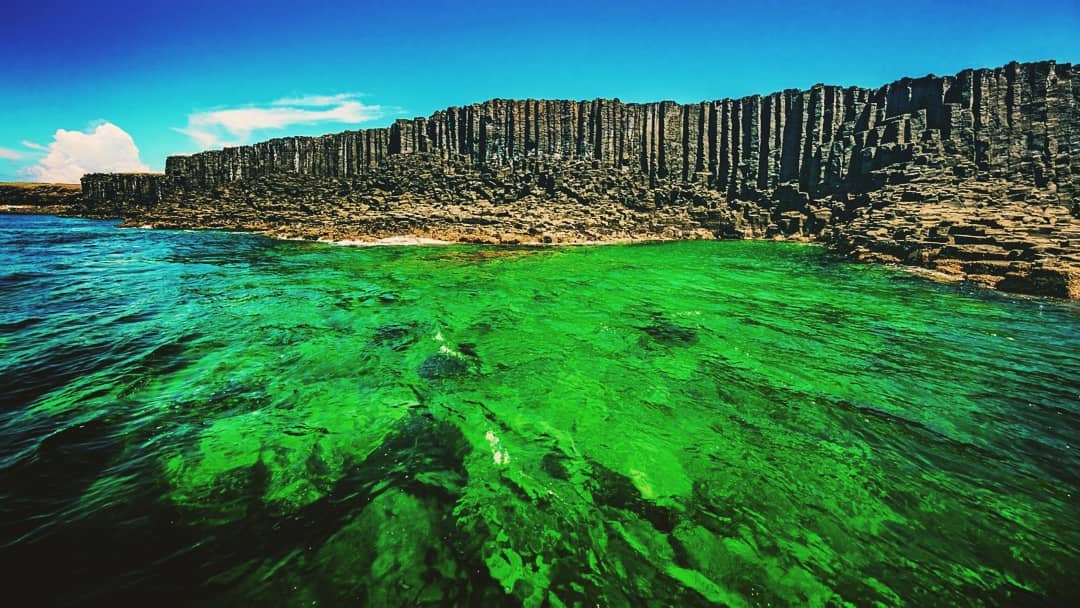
901	173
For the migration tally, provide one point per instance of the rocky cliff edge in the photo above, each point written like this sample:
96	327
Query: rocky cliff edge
974	175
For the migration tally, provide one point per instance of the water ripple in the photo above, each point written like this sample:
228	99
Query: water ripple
221	419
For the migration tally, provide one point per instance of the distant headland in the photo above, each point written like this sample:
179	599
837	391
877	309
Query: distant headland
26	197
975	175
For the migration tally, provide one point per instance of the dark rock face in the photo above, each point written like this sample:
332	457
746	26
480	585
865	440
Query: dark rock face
123	194
974	174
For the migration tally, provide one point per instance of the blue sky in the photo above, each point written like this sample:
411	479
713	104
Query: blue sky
121	85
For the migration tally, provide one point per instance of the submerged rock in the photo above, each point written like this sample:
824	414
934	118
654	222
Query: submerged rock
398	336
392	554
621	492
667	333
443	365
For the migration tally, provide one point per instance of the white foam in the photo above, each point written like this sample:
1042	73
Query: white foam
390	241
498	453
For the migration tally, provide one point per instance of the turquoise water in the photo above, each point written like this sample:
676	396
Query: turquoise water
200	418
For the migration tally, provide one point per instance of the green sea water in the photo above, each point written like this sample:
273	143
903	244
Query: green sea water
200	418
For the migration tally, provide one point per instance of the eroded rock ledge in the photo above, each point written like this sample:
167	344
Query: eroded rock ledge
974	175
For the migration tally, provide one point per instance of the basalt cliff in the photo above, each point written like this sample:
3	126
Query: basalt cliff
975	175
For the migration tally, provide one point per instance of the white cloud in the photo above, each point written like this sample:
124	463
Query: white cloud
34	146
234	126
7	154
208	138
318	101
73	154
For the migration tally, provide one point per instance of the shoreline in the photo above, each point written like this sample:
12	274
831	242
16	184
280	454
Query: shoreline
929	274
442	239
57	210
426	240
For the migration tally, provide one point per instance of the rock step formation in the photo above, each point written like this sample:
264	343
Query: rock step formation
884	174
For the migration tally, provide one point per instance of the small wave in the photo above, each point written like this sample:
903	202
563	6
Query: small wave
18	279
